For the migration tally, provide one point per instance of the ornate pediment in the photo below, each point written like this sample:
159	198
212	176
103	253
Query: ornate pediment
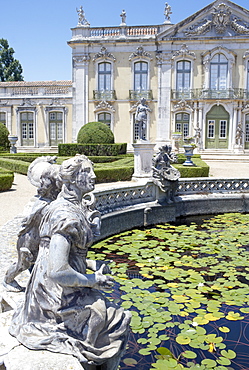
104	105
104	54
140	53
221	18
183	53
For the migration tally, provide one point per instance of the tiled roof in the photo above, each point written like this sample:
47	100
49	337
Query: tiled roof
35	83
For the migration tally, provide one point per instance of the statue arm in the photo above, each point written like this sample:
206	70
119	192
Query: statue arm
61	272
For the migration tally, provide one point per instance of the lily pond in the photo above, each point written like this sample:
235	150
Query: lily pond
187	287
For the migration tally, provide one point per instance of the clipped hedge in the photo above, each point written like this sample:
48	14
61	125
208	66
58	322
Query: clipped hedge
6	179
113	174
92	149
201	169
14	165
95	133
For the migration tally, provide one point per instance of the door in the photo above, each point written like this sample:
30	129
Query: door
217	128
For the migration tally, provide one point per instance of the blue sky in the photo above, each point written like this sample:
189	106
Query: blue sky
38	30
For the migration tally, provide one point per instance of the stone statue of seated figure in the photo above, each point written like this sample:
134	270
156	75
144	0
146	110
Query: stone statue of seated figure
64	310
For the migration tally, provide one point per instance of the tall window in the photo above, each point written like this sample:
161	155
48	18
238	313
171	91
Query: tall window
183	72
3	118
104	76
247	129
141	76
55	128
105	118
218	72
182	124
27	128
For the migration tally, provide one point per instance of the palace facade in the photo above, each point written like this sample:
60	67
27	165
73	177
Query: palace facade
193	74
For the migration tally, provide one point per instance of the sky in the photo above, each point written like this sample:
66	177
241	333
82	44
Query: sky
38	30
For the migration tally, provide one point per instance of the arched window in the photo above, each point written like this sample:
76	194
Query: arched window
218	72
183	73
27	128
182	123
105	117
141	76
55	128
104	76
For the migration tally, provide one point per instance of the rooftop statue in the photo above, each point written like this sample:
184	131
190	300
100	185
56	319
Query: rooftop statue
141	118
64	309
167	13
82	19
123	18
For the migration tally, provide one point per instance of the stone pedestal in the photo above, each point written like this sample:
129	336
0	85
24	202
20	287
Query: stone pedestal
238	149
143	154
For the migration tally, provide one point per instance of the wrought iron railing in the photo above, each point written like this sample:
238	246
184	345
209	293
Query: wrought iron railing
107	95
210	94
135	95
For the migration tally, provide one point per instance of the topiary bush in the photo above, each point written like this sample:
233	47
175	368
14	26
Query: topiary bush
4	141
95	133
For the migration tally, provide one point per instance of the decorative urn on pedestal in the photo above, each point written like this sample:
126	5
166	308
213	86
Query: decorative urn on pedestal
189	147
12	139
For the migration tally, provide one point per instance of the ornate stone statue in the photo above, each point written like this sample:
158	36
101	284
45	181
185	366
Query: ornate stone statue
239	134
44	174
64	310
141	118
167	12
82	19
123	18
164	175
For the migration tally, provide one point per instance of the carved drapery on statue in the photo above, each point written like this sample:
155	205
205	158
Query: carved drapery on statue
64	309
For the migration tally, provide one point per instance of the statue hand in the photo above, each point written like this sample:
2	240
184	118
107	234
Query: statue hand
103	281
106	268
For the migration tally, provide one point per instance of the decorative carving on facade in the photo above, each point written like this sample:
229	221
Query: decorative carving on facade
183	105
104	54
103	105
82	19
140	53
221	17
200	28
78	60
241	27
4	102
28	102
162	58
246	55
183	53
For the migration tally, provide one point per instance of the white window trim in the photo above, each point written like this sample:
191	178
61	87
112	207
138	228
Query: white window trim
106	60
49	110
187	59
207	58
20	110
105	111
134	61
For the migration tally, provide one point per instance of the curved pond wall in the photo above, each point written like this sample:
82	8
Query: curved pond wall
125	206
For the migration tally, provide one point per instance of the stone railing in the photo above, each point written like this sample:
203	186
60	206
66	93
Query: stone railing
207	185
133	31
210	94
113	199
36	90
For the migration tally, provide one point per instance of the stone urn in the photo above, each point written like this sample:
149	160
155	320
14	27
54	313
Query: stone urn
188	151
12	139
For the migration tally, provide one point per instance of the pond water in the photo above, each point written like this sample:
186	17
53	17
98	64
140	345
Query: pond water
187	286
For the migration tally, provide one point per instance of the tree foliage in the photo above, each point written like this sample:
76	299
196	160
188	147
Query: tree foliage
10	68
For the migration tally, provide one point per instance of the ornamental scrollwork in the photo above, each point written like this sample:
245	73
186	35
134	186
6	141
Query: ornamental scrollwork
140	53
184	52
220	19
80	59
103	105
104	54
